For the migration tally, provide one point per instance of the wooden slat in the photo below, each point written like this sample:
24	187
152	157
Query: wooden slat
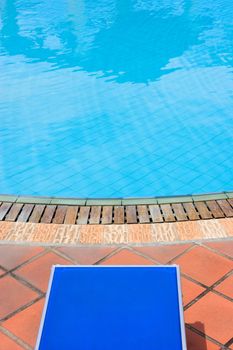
95	215
225	206
167	212
191	211
83	215
25	212
119	215
155	213
60	214
47	216
179	212
203	210
71	215
36	213
215	209
143	214
14	212
131	214
5	207
230	201
107	215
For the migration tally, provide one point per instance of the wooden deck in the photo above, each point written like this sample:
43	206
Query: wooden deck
115	214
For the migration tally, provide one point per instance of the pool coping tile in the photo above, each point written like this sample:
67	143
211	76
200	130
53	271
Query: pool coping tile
8	198
33	200
208	197
27	199
68	201
138	201
103	201
175	199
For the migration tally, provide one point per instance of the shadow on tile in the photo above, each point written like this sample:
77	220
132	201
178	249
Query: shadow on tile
196	341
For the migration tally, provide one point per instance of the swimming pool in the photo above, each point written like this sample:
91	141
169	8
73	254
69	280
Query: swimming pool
112	98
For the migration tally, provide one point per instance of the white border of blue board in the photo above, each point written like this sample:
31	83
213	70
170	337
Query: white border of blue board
181	311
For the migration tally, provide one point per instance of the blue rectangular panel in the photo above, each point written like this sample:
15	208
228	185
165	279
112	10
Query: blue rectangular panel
113	307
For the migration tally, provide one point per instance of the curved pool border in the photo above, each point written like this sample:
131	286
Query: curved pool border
58	210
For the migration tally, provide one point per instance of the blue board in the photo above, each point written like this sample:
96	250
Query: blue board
112	308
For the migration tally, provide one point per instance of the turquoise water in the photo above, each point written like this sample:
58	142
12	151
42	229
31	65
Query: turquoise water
116	98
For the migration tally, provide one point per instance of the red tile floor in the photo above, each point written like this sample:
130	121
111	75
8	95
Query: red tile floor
207	286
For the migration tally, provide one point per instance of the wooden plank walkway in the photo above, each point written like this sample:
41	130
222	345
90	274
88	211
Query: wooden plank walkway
116	214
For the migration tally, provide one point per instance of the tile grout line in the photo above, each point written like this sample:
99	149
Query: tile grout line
229	343
26	283
37	256
187	250
194	281
145	256
116	251
210	289
203	335
195	300
21	308
222	295
213	250
157	261
64	256
16	339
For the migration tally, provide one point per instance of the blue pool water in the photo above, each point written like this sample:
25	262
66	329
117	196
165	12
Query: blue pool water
112	98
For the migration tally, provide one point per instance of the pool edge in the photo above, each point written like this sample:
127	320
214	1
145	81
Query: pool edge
28	199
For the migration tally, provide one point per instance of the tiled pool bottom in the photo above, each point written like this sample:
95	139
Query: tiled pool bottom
69	170
206	267
119	98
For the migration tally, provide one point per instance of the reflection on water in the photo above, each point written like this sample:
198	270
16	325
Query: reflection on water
128	40
81	79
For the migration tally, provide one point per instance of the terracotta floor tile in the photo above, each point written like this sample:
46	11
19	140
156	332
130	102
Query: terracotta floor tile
13	295
225	247
86	256
190	290
226	287
203	265
26	323
126	257
197	342
8	344
14	255
38	271
164	253
215	314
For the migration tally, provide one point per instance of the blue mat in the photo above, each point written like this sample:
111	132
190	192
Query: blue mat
112	308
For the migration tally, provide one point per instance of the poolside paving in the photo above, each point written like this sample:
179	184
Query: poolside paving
117	234
207	284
